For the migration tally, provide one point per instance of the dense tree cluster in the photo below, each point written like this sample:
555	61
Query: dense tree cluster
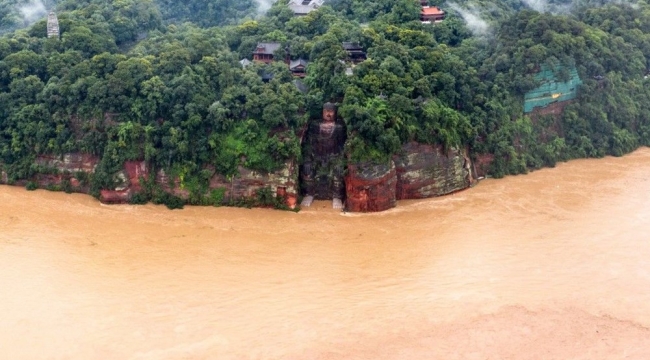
161	81
207	12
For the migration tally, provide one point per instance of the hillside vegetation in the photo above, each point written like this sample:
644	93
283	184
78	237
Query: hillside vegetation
161	81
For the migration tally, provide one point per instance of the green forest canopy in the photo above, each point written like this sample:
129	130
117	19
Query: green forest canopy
161	81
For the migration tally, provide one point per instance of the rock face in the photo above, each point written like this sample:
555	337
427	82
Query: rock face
482	164
172	186
61	171
136	170
371	187
556	109
128	183
70	169
71	162
425	171
241	187
283	183
115	196
418	171
55	169
549	128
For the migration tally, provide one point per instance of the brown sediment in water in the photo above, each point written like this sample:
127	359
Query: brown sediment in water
554	264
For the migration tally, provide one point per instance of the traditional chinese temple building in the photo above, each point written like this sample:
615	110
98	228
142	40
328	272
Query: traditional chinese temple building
304	7
431	14
298	67
264	52
355	52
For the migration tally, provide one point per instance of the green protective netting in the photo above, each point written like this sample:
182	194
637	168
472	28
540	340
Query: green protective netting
551	90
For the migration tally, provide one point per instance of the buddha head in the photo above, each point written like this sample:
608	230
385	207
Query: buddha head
329	113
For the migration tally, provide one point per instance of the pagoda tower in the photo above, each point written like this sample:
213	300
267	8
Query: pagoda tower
52	25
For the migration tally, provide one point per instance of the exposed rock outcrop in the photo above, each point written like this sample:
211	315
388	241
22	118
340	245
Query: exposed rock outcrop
418	171
136	170
73	168
115	196
171	185
370	187
70	162
425	171
56	170
556	109
482	163
283	183
128	183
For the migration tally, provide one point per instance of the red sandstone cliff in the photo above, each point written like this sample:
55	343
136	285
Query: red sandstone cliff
370	187
555	109
241	187
172	186
419	171
246	183
129	183
482	163
425	171
71	162
54	170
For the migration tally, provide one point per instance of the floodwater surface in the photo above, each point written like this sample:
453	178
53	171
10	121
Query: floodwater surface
550	265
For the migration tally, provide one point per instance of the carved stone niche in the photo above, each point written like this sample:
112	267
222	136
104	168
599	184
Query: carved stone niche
320	174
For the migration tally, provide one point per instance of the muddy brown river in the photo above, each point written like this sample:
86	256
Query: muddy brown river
550	265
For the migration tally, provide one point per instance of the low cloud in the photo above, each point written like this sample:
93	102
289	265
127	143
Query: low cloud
33	11
537	5
472	17
545	6
264	5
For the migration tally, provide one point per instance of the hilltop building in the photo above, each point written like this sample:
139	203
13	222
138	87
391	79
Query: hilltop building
355	52
431	14
267	76
304	7
264	52
298	67
52	25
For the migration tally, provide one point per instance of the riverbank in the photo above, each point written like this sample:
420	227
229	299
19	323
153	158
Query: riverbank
552	264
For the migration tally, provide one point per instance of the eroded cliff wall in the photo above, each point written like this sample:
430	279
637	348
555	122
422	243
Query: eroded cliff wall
482	163
370	187
68	170
425	171
128	183
283	183
72	171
